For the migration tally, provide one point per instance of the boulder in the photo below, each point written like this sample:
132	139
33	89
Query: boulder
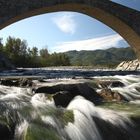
5	132
23	82
110	83
9	82
117	84
64	93
109	95
8	120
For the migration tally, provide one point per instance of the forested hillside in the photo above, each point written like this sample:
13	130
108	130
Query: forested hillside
101	58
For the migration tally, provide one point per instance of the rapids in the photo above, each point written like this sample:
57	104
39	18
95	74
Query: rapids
25	115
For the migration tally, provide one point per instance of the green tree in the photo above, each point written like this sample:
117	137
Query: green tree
59	59
34	52
34	58
16	51
21	55
44	53
44	57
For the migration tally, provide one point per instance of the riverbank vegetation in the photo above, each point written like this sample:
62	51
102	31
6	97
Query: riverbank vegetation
20	55
18	52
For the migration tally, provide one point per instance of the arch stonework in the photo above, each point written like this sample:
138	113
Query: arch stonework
124	20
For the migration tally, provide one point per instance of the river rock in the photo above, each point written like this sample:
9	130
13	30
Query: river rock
117	84
109	83
64	93
9	82
109	95
109	131
25	82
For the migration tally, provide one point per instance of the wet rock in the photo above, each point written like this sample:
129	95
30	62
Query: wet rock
64	93
9	82
109	95
5	132
103	84
109	83
41	80
63	98
110	131
138	89
25	82
117	84
8	120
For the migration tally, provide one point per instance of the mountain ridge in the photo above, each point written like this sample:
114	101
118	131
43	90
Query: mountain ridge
101	58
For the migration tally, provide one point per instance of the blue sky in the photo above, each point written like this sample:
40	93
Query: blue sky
135	4
63	31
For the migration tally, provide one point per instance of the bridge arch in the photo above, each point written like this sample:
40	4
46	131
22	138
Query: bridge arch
123	20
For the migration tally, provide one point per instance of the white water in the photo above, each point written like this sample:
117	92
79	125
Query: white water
37	110
130	91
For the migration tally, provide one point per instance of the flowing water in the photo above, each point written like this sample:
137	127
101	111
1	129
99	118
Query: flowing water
25	115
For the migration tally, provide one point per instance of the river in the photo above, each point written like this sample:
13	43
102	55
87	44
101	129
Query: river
30	112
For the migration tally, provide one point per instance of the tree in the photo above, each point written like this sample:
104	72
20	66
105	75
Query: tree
44	57
59	59
44	53
34	58
23	56
34	52
16	51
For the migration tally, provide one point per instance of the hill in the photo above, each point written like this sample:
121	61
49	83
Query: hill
101	58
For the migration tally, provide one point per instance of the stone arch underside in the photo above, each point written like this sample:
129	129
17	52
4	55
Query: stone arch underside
123	20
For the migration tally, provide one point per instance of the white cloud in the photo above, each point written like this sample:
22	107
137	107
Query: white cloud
90	44
65	22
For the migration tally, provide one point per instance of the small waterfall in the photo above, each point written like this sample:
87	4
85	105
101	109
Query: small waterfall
131	91
88	116
28	116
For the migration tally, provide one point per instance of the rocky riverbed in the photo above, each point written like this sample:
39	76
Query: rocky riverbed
93	89
42	104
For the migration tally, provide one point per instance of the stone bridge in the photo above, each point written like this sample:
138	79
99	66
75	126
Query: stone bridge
123	20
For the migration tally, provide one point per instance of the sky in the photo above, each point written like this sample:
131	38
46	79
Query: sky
64	31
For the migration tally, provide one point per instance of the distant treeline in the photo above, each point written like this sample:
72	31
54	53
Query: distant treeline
21	55
18	52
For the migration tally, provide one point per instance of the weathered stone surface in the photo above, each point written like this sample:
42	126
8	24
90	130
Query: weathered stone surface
129	65
110	95
23	82
109	83
64	93
122	19
115	132
7	82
